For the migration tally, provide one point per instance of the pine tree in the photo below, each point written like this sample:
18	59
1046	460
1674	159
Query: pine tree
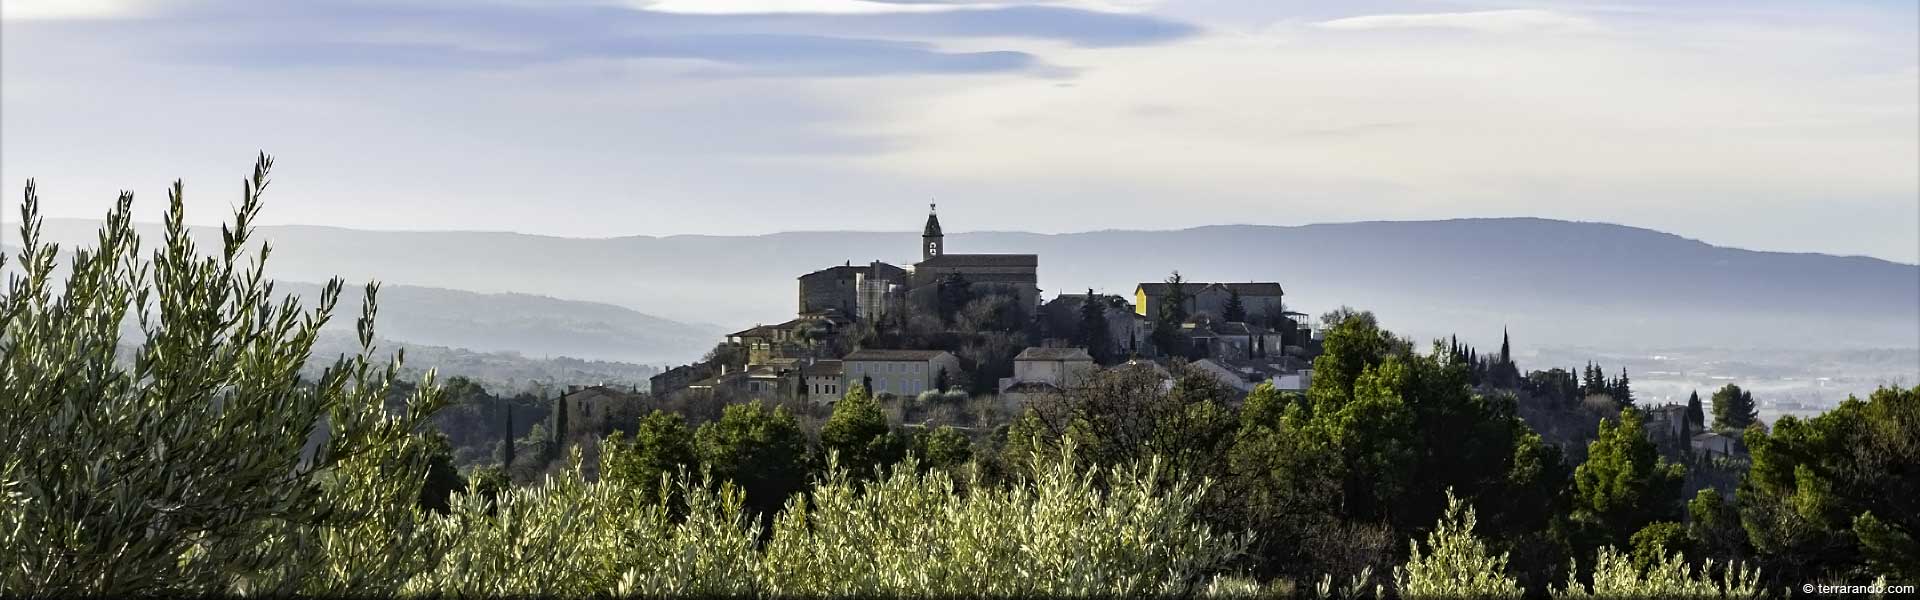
1167	338
1173	308
1236	311
858	433
1625	484
1622	390
1733	409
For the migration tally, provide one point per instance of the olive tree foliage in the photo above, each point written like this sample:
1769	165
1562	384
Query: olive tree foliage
1615	575
1456	564
203	462
1074	530
567	537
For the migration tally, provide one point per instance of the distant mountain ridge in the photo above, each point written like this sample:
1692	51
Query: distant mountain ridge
532	325
1551	282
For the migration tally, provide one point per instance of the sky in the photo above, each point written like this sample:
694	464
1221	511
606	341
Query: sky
1787	125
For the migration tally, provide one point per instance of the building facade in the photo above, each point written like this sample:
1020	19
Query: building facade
861	292
1060	368
1210	299
1012	275
898	372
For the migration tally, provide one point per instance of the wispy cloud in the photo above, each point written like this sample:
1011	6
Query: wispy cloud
609	117
500	35
1486	21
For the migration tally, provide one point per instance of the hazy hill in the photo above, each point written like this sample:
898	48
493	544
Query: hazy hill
499	336
532	325
503	373
1552	282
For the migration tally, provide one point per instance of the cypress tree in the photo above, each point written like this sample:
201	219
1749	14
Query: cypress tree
1092	331
556	446
1236	311
506	437
1695	414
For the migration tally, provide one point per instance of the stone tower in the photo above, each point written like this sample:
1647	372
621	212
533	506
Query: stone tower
932	242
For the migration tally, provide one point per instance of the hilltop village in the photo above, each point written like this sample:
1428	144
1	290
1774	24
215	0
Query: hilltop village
977	324
968	342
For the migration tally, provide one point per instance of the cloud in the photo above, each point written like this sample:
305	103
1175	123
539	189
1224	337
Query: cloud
498	35
66	9
1486	21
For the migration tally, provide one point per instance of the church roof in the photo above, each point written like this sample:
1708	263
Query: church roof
982	260
933	225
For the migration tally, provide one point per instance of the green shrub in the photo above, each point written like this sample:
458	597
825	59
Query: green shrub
568	537
1071	531
1615	576
1456	564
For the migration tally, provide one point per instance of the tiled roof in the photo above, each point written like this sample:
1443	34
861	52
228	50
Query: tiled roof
1267	288
597	390
1033	387
1038	353
836	271
895	355
756	331
824	368
982	260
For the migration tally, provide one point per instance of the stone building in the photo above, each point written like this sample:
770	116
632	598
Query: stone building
899	372
670	381
1126	331
797	338
1013	275
862	292
1060	368
1210	299
822	380
595	410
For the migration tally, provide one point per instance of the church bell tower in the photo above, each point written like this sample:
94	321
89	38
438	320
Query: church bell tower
932	243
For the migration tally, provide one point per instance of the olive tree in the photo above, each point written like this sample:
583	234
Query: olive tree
195	458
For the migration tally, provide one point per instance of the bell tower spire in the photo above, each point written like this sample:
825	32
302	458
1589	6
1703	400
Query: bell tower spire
932	242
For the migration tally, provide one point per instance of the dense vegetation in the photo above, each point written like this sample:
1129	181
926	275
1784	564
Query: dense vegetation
205	463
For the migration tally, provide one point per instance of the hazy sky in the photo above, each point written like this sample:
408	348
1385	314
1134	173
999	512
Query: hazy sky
1768	124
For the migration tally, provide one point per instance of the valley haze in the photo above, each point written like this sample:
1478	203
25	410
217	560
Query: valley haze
1568	289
